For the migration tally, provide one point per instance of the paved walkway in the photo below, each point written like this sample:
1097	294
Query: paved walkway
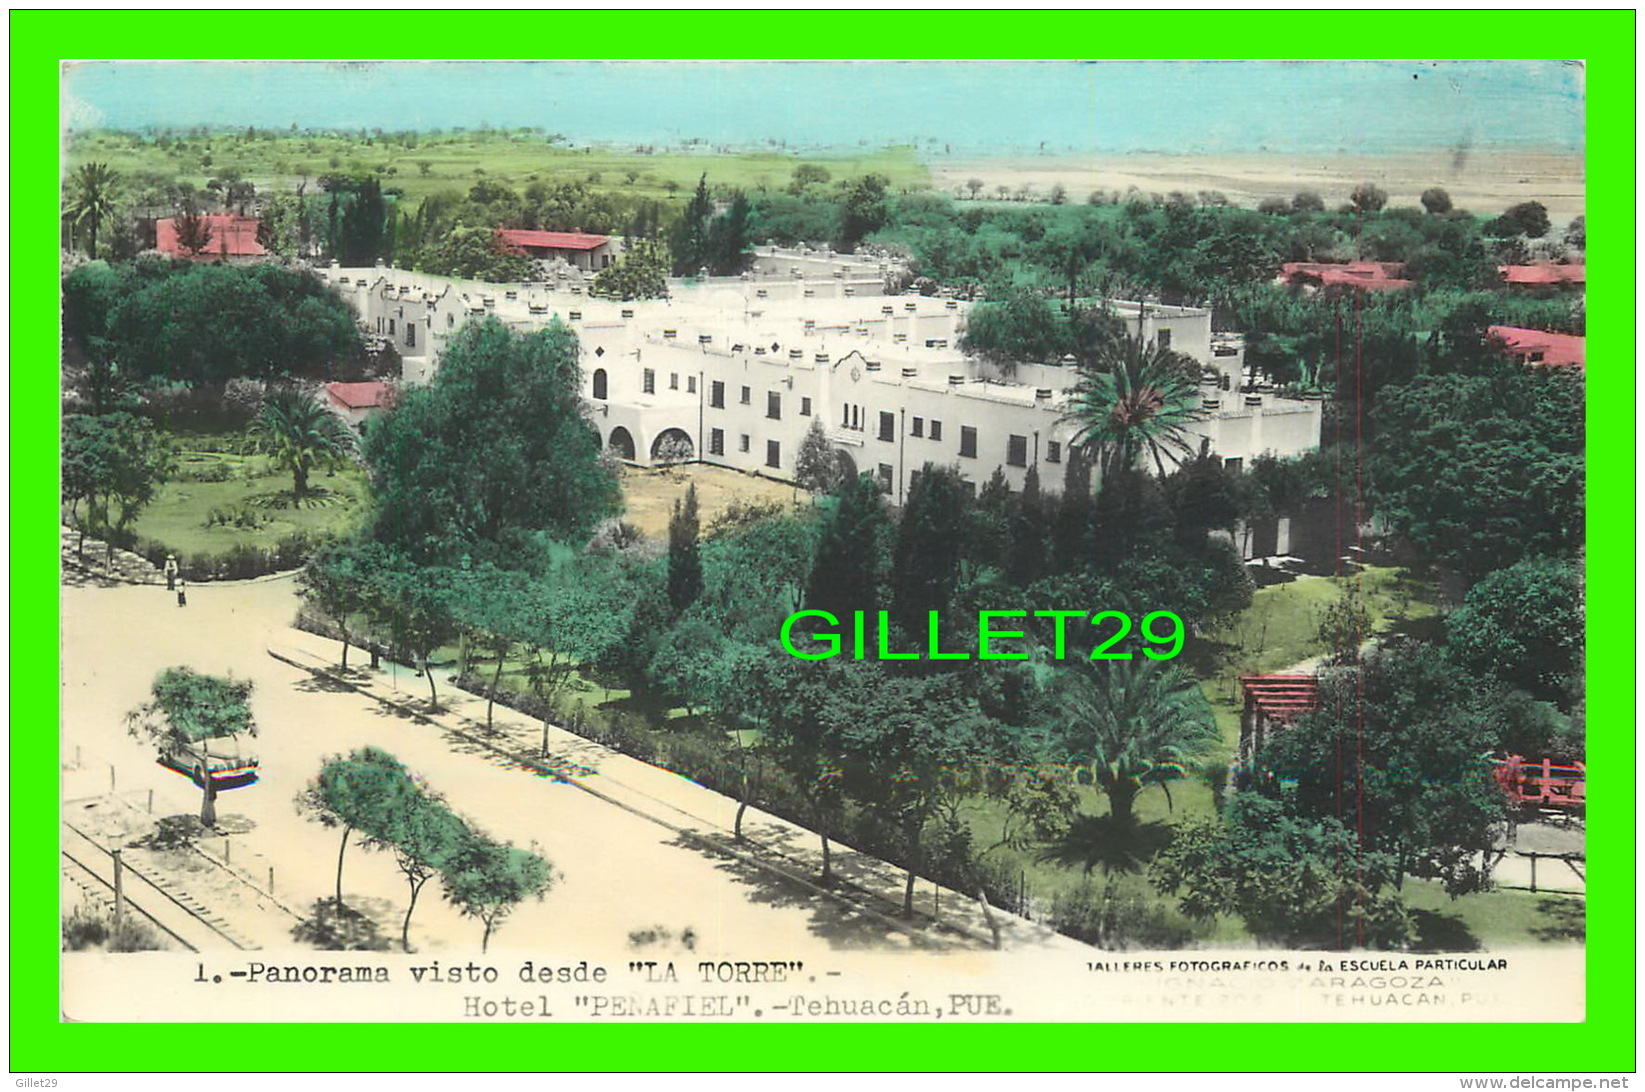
699	815
94	562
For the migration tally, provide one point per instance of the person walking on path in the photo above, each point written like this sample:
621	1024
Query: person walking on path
182	593
171	572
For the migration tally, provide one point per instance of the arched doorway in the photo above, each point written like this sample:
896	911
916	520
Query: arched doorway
673	445
621	443
599	384
848	465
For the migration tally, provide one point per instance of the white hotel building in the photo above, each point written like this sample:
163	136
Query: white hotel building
732	371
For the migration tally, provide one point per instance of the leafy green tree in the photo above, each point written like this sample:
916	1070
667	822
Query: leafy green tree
187	708
198	323
111	462
807	175
640	274
787	699
1436	201
1528	218
494	609
486	880
93	187
413	603
1522	626
300	435
1481	471
336	583
1137	400
909	746
816	466
1022	329
863	209
925	566
1402	743
1293	880
1368	197
1346	625
492	451
1133	723
473	253
424	837
357	793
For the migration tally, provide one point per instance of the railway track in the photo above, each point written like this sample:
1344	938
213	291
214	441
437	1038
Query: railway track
177	912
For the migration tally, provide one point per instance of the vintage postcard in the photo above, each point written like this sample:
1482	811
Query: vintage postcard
805	542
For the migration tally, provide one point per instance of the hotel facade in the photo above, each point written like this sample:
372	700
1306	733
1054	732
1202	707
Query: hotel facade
733	371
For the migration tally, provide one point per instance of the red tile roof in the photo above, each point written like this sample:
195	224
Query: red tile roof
1541	347
1375	276
1544	274
361	395
552	240
235	236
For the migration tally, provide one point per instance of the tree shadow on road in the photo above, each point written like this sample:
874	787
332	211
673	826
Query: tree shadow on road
839	920
333	928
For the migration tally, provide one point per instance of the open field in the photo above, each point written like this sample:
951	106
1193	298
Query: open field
1484	182
421	164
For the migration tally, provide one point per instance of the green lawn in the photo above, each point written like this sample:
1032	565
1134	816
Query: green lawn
253	506
1281	629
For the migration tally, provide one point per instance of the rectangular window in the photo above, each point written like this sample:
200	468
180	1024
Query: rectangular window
1232	463
742	443
885	477
968	442
411	335
805	407
918	427
716	441
936	429
691	384
648	381
1053	451
1016	451
748	396
673	381
716	394
1163	338
774	405
888	425
391	327
773	454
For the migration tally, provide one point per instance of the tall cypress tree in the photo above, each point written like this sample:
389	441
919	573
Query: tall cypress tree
1071	529
926	567
1025	560
685	564
689	241
845	574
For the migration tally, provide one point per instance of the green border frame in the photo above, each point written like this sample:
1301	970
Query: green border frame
1605	1042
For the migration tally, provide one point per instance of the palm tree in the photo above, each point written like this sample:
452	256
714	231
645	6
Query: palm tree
1134	723
1134	397
300	434
93	201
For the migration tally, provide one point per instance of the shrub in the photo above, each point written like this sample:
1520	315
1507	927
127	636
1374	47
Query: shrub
1118	922
92	928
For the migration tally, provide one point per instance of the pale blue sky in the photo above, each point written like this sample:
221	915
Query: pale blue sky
1306	107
